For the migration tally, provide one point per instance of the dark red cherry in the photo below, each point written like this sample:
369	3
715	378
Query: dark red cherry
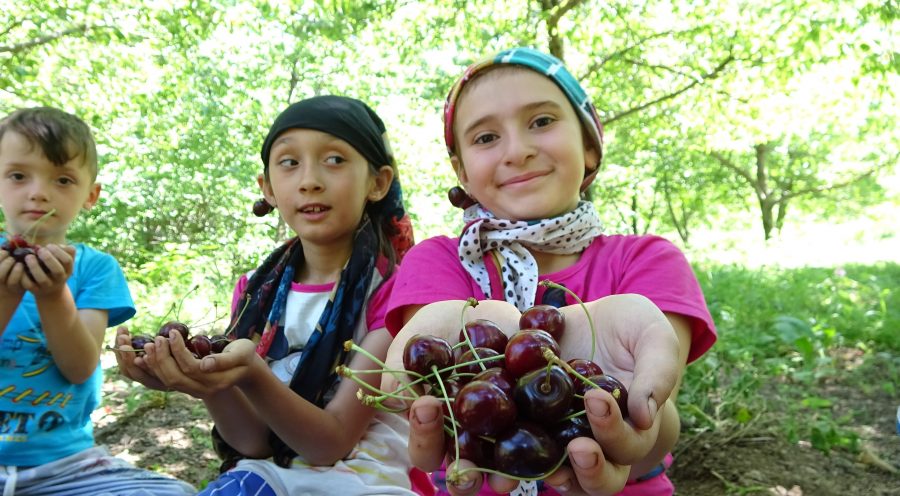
218	343
524	351
466	367
423	351
499	377
458	198
484	334
200	345
568	429
584	367
612	386
452	387
544	395
546	318
174	326
139	340
526	450
474	448
261	207
483	408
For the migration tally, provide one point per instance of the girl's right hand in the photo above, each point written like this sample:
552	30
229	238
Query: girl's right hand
133	366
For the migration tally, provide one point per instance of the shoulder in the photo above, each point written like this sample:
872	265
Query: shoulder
433	245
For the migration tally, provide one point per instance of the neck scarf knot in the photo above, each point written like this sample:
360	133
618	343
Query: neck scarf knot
510	243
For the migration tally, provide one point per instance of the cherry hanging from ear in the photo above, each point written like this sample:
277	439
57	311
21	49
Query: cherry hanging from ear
459	198
261	208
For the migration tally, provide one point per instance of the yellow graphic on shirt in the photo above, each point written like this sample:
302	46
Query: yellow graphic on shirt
37	399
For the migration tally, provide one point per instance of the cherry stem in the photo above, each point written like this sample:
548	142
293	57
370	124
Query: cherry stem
552	358
470	302
457	472
550	284
34	226
437	377
240	314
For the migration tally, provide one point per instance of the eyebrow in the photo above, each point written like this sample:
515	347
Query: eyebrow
527	107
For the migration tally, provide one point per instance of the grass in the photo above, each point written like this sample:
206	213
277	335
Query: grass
782	333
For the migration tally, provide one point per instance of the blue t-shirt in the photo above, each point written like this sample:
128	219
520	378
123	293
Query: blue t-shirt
43	416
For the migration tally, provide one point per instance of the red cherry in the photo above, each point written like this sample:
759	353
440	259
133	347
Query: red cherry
482	408
464	366
472	447
524	351
526	450
174	326
423	351
584	367
564	431
484	334
139	340
200	345
499	377
546	318
612	386
219	342
544	395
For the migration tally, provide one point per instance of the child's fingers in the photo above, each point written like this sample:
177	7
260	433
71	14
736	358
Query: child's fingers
622	443
593	473
657	366
463	483
426	433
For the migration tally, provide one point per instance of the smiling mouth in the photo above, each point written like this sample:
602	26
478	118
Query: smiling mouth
523	178
314	209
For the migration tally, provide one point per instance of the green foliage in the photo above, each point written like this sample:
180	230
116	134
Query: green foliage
782	331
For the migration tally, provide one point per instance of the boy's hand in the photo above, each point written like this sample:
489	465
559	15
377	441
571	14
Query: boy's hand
178	369
635	343
50	268
11	274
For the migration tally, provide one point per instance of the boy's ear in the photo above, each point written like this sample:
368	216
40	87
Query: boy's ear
382	184
266	189
93	196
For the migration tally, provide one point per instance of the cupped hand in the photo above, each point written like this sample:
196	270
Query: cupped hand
634	342
131	365
11	274
50	268
178	368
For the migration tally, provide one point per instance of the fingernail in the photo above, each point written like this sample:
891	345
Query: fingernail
563	488
172	336
653	408
584	460
465	484
597	407
426	415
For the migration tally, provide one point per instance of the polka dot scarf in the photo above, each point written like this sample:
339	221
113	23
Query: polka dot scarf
508	242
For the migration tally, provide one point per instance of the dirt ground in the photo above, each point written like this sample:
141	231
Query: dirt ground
170	433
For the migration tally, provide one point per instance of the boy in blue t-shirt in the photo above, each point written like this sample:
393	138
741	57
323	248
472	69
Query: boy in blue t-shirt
56	303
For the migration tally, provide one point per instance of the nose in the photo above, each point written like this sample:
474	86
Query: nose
311	178
38	192
519	148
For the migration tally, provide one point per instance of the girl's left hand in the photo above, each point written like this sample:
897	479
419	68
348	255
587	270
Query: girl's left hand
178	369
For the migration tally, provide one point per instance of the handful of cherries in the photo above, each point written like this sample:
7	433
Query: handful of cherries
511	404
200	345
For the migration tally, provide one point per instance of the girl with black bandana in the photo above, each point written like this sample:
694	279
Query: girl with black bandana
525	141
285	422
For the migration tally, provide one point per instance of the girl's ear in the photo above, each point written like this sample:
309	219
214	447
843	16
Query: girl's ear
591	157
266	189
382	183
459	169
93	195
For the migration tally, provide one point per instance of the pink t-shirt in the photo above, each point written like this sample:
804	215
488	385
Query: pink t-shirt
647	265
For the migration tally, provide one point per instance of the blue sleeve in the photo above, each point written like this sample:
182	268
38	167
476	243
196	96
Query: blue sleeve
99	283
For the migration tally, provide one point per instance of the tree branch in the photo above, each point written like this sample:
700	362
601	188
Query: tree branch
842	184
730	165
42	40
710	75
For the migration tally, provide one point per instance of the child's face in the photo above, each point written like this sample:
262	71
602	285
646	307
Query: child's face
320	185
520	148
31	186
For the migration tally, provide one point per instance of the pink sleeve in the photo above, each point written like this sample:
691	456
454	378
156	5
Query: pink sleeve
430	272
239	289
378	303
656	268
